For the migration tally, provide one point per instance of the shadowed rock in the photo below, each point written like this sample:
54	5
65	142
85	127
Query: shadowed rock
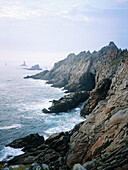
96	95
28	142
59	142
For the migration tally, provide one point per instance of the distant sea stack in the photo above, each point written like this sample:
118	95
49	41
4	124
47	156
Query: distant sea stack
35	67
24	64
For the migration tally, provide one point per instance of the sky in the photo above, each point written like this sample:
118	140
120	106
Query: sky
46	31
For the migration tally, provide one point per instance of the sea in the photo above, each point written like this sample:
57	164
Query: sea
21	104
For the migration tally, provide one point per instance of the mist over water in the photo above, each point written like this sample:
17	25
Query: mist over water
21	104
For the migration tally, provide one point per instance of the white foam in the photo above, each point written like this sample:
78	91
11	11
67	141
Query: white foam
17	126
8	153
77	109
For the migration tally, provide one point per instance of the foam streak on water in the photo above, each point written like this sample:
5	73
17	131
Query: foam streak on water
21	104
8	153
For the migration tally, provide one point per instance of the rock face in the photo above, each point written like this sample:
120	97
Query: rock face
35	67
101	141
78	72
96	95
32	140
59	142
67	102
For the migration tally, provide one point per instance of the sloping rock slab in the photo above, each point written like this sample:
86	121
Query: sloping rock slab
28	142
38	76
67	102
59	142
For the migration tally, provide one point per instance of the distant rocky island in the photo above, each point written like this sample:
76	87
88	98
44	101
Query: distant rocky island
35	67
24	64
100	142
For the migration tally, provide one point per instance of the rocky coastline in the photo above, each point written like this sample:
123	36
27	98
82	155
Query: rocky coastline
67	102
101	141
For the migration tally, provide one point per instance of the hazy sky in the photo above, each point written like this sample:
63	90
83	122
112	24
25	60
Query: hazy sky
45	31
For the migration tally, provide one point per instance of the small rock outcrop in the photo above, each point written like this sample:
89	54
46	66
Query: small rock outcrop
35	67
27	142
24	64
67	102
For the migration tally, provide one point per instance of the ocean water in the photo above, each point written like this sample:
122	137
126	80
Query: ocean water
21	104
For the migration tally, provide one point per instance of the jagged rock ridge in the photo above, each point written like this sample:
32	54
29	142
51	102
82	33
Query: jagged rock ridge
76	72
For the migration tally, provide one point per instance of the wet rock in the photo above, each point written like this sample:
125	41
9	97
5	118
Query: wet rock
28	142
67	102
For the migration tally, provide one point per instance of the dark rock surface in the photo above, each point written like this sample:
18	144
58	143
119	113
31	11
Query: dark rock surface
27	142
96	95
59	142
35	67
51	152
43	154
67	102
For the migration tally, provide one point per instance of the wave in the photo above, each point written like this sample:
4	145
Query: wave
8	153
17	126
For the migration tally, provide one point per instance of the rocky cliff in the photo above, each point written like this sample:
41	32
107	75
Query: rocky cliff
101	141
78	72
